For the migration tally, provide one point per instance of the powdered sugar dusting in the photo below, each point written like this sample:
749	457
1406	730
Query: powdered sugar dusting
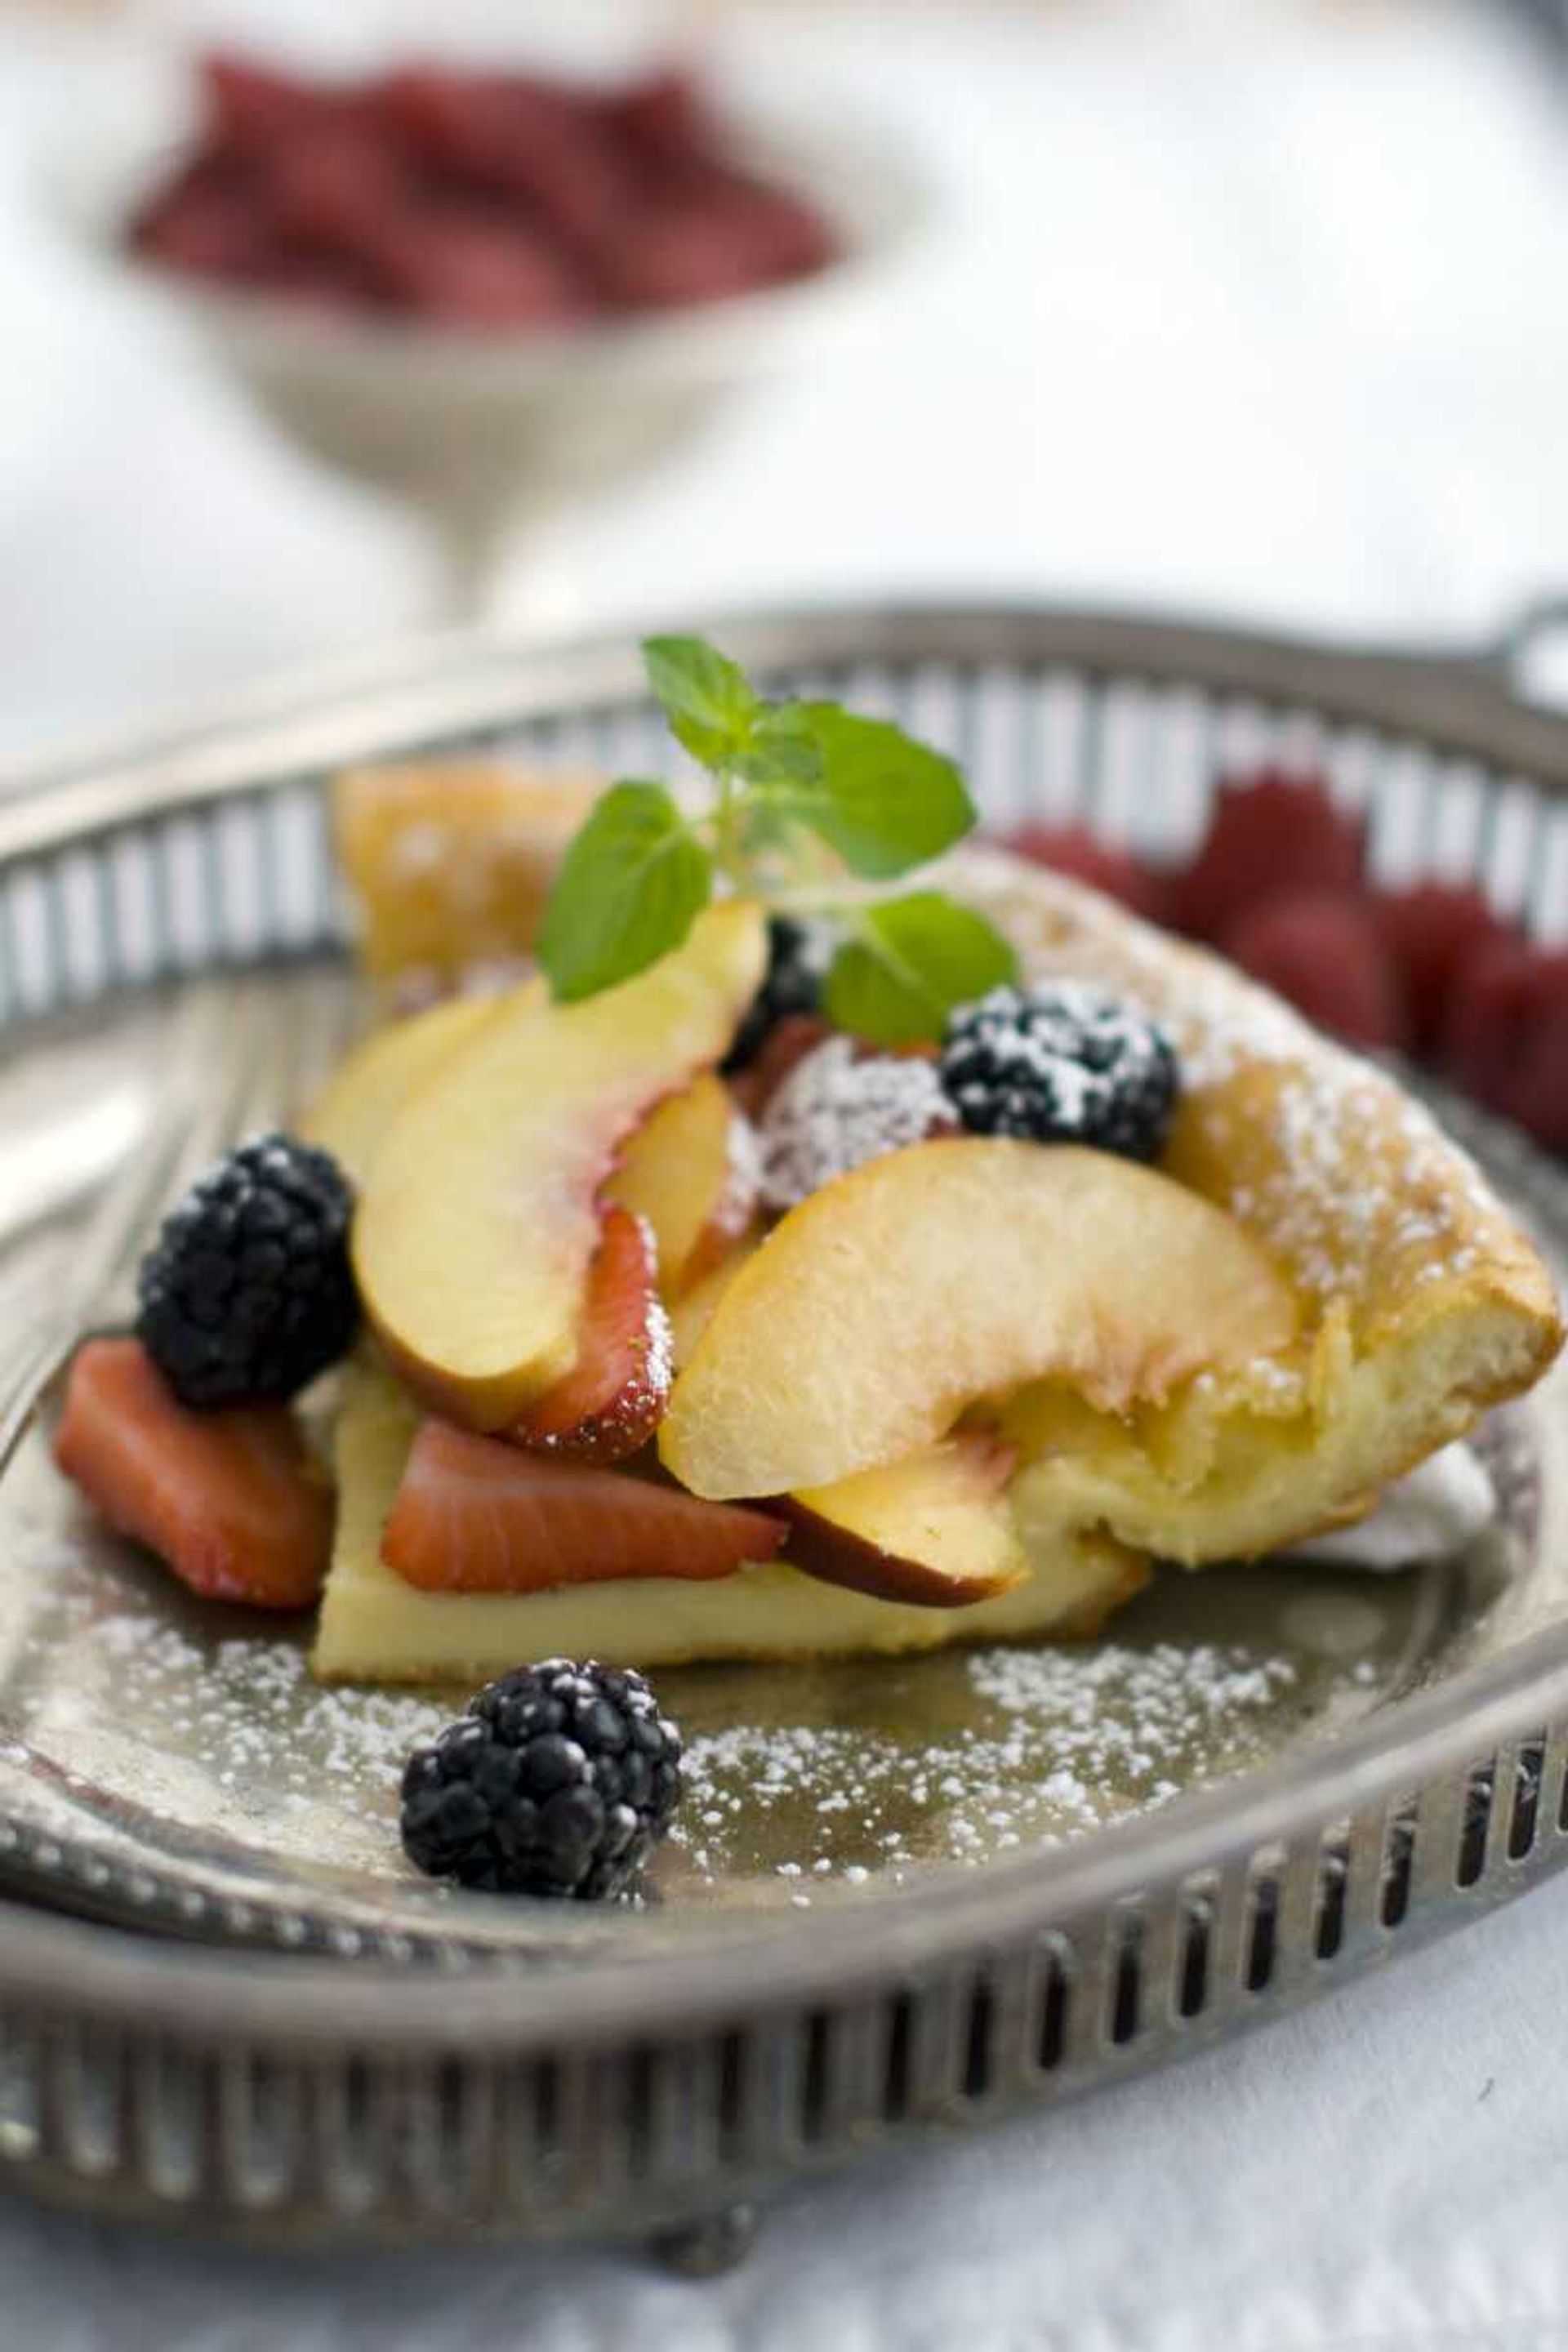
1051	1744
743	1184
843	1776
1347	1181
840	1108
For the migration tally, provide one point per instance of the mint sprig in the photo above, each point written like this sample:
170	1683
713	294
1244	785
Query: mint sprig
783	774
631	884
907	962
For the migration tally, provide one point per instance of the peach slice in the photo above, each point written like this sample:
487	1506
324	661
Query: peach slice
935	1529
479	1217
954	1270
693	1311
690	1169
610	1401
370	1085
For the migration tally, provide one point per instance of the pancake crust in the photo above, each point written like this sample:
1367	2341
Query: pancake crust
1422	1302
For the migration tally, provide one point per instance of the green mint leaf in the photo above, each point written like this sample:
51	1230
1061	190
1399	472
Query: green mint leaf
883	801
783	754
709	705
911	963
630	886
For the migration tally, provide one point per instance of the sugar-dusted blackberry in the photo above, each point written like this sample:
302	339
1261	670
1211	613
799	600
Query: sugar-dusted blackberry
1063	1062
560	1781
799	958
248	1293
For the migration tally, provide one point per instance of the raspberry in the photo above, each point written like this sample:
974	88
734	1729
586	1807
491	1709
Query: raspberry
248	1293
1073	850
841	1106
1433	933
1506	1038
1268	831
560	1781
1325	955
1064	1062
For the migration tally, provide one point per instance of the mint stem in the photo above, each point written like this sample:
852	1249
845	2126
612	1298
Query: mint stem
726	851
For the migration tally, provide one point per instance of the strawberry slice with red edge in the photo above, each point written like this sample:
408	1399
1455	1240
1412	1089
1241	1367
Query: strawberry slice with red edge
1269	832
1323	954
475	1515
1083	856
230	1500
610	1401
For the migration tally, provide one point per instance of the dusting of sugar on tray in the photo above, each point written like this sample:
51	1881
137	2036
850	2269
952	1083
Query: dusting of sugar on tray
1048	1743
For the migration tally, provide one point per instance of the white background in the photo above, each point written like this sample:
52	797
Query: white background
1253	307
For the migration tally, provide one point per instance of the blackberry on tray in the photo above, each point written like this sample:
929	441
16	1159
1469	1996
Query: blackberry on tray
248	1292
559	1781
1063	1062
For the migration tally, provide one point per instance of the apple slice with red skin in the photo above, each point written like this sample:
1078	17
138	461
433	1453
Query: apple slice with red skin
610	1401
475	1515
935	1529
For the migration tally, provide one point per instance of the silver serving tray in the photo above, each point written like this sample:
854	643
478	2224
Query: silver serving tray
903	1893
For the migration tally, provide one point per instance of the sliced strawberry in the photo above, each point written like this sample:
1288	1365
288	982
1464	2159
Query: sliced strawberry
1433	933
1323	953
229	1500
210	221
518	136
612	1399
470	264
473	1515
1507	1037
787	1043
662	118
1073	850
1269	832
251	107
686	250
331	189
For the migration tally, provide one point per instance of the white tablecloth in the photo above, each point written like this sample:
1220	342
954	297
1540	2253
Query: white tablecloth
1253	307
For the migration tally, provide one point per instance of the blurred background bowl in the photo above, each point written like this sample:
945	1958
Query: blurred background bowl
486	433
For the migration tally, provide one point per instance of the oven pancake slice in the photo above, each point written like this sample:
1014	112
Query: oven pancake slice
1418	1303
374	1628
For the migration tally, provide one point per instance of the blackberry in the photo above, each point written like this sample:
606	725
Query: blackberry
560	1780
248	1292
799	957
1064	1062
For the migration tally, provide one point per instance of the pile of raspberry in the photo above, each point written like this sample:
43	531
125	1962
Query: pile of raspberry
1279	884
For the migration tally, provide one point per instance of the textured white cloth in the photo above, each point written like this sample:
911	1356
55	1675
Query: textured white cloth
1254	307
